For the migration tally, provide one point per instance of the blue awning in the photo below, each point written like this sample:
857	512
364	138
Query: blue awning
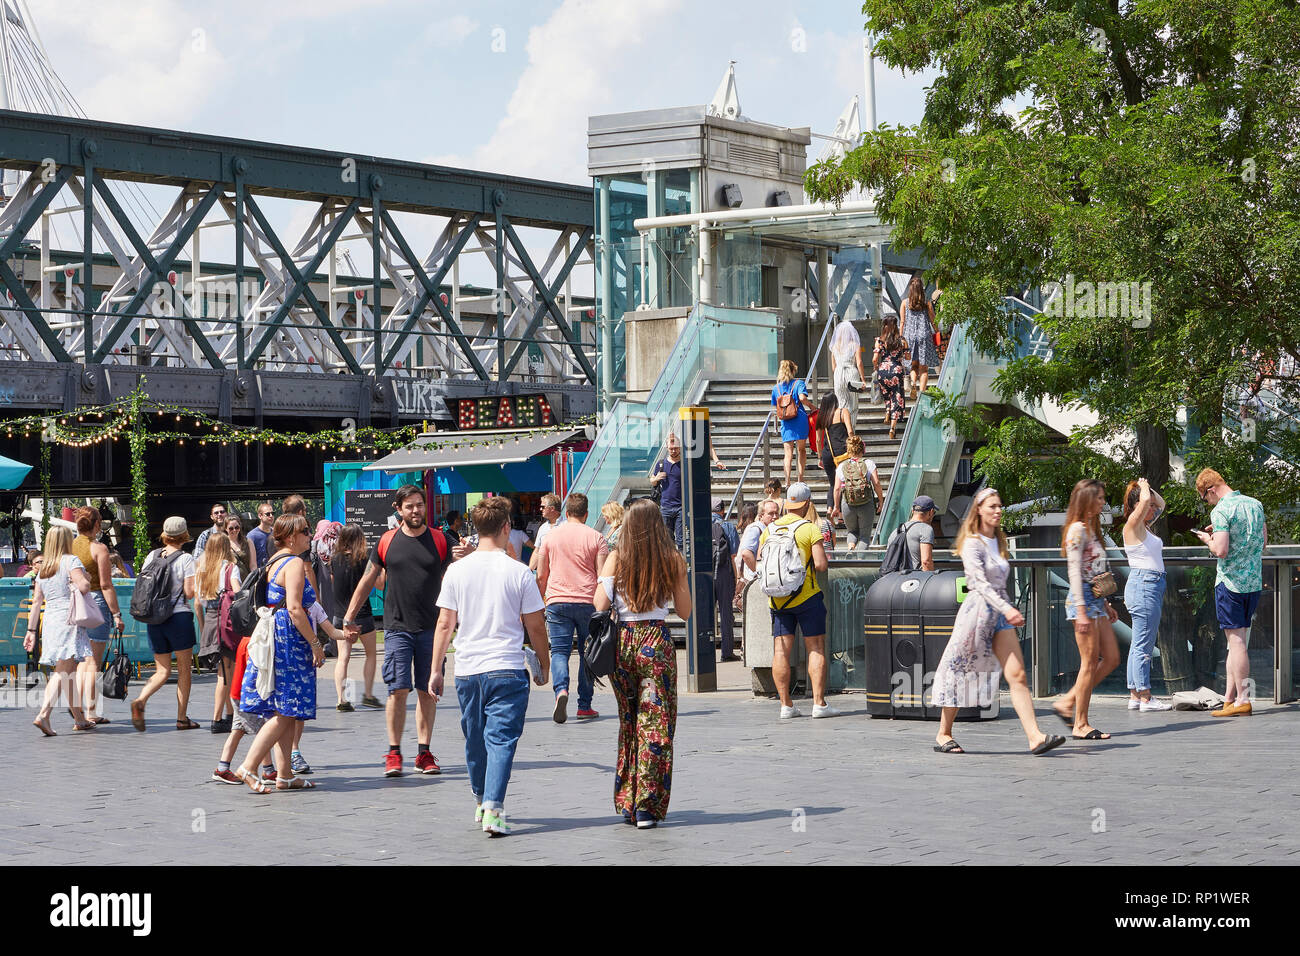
12	473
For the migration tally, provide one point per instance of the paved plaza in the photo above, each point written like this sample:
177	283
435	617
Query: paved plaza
1171	788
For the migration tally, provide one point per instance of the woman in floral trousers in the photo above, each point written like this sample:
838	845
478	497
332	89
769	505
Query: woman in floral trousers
890	358
645	675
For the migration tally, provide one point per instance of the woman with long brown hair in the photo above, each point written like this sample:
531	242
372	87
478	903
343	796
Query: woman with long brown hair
63	645
218	571
983	641
890	360
1092	614
99	569
645	677
919	328
347	567
297	654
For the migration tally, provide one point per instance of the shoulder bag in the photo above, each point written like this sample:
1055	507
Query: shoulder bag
600	653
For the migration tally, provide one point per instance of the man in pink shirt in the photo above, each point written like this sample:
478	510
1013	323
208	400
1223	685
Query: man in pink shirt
568	561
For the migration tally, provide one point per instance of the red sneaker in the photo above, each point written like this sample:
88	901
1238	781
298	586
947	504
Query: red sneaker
426	762
225	776
586	713
393	765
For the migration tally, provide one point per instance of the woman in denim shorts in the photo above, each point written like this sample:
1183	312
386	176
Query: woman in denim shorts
1085	556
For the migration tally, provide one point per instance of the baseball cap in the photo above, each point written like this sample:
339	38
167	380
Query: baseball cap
719	504
176	527
923	503
798	493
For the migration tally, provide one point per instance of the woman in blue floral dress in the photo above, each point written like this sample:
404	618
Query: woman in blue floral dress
297	654
983	642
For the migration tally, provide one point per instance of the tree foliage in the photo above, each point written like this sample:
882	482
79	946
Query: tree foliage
1153	142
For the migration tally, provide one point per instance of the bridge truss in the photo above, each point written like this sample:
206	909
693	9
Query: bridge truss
282	306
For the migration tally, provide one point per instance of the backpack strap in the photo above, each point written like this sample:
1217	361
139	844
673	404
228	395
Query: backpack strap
384	541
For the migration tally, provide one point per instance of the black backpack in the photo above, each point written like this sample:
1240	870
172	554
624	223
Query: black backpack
250	596
721	547
154	600
898	557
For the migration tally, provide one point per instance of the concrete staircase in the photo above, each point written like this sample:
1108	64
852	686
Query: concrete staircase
737	409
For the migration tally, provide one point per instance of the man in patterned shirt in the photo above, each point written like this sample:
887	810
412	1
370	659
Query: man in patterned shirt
1236	536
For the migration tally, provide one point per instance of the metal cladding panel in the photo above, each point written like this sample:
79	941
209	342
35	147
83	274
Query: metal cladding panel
166	156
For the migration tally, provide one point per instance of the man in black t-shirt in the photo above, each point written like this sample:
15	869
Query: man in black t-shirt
411	560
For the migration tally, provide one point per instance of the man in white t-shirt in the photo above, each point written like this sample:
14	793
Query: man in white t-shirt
488	600
551	512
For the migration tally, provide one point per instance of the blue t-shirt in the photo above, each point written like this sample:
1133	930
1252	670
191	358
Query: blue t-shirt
671	499
260	541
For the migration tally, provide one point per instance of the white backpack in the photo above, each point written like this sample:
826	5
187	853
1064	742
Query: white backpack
781	567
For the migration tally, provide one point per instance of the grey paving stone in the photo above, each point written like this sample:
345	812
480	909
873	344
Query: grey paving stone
870	791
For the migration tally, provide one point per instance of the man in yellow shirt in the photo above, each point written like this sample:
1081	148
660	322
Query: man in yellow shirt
805	609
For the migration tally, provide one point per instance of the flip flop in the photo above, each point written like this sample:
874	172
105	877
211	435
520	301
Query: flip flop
1093	734
1068	721
951	747
1052	741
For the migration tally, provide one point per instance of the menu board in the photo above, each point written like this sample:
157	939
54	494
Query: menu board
371	508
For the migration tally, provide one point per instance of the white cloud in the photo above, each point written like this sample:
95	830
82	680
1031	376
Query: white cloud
450	32
571	57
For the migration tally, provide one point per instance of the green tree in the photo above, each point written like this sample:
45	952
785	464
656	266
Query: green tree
1088	142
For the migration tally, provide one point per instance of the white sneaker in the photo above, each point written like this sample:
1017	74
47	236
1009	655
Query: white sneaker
1134	703
825	710
788	712
1154	704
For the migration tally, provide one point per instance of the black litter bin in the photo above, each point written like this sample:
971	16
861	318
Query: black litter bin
908	620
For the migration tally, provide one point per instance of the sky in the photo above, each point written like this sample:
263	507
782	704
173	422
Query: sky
497	86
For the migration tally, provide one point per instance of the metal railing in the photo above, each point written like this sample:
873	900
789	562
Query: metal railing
1189	649
767	422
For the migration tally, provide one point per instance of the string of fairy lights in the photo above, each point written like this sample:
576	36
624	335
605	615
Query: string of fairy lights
140	420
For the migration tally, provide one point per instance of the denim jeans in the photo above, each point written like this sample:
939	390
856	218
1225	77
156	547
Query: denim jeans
673	522
492	707
1143	594
562	622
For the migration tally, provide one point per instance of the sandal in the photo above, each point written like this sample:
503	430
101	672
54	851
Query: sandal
1093	734
187	724
101	720
294	783
44	727
1067	719
1049	743
951	747
83	725
253	781
137	715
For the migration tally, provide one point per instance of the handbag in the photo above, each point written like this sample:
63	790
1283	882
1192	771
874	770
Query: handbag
600	653
83	612
1103	585
117	673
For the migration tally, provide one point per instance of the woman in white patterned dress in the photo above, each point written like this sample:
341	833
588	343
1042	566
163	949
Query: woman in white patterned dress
63	646
983	642
919	328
